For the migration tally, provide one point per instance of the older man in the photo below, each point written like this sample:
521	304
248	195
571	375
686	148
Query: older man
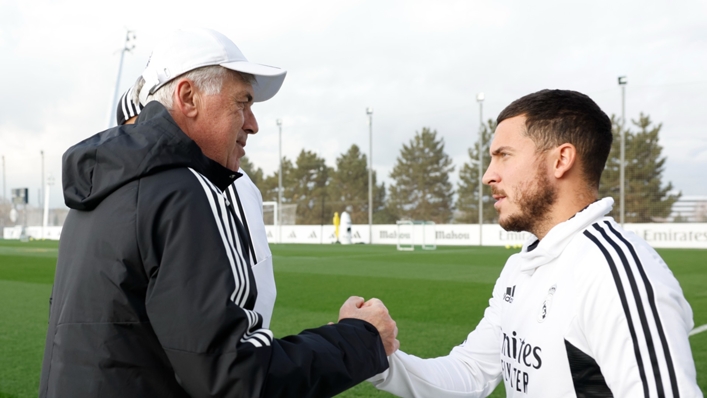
247	203
586	309
154	293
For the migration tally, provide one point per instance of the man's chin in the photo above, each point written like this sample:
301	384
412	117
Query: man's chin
513	223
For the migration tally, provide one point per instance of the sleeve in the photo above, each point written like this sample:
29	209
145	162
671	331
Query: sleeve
471	369
200	308
635	323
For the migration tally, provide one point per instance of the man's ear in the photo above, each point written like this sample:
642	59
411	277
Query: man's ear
565	158
186	98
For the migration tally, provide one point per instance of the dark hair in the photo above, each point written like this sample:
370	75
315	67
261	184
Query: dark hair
555	117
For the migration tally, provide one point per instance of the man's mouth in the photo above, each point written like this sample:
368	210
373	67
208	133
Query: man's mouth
499	197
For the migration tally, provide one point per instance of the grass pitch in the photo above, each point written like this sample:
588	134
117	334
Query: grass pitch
436	297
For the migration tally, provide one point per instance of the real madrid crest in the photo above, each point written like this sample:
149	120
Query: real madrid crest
547	304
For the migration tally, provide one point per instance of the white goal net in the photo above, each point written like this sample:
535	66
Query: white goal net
414	233
270	214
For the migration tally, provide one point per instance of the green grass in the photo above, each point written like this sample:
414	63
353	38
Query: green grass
436	298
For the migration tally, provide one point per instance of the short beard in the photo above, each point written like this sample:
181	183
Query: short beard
535	205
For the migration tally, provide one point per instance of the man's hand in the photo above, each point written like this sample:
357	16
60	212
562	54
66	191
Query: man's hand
374	312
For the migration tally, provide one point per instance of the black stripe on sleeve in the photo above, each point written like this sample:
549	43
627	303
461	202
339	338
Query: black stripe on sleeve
654	310
639	307
241	275
245	223
624	304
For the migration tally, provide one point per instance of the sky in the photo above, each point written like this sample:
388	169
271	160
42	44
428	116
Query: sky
417	63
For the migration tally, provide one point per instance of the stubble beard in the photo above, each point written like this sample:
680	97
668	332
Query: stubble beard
535	203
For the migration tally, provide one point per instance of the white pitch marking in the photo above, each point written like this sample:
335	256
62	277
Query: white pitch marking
698	329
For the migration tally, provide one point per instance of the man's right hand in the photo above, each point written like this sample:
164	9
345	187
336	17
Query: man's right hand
374	312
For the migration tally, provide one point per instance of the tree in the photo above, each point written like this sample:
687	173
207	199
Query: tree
255	173
646	199
422	190
309	190
269	185
349	186
468	187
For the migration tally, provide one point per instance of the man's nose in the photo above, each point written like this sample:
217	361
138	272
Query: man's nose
490	176
250	125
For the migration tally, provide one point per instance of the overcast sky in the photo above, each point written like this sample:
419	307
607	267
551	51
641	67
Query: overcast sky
417	63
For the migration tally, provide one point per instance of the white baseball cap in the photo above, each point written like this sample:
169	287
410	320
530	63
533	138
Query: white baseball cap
187	49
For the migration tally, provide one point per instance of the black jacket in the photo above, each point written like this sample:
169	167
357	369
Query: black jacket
153	296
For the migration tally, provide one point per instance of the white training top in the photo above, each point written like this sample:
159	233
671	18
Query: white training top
345	221
251	203
590	310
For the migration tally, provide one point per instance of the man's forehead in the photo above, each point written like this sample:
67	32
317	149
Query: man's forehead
240	88
511	134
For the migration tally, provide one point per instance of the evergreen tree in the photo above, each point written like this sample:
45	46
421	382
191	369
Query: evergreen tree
255	173
269	185
309	190
468	187
422	190
646	199
349	186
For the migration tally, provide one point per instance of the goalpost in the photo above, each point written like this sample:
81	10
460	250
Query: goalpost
411	233
271	216
270	213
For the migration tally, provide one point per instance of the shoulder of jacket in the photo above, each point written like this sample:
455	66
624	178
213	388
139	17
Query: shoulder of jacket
181	181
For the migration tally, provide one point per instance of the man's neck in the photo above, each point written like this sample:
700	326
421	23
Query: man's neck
562	211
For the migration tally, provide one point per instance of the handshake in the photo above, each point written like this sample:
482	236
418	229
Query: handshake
374	312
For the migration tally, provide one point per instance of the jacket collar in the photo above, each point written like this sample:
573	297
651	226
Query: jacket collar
554	243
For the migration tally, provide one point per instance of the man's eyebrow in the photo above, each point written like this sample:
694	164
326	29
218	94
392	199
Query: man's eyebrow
501	149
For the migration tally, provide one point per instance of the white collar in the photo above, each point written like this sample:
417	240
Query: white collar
561	234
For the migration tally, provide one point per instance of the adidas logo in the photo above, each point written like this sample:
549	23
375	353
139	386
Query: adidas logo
510	292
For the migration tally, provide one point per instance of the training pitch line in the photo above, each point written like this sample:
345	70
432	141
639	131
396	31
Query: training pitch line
698	329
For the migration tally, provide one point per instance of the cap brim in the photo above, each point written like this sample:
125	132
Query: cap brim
268	79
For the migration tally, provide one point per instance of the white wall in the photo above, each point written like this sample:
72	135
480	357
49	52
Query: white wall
51	233
688	235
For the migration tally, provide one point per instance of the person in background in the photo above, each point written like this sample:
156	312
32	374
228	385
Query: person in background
129	105
346	225
337	222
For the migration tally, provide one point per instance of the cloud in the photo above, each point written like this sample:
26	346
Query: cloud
418	63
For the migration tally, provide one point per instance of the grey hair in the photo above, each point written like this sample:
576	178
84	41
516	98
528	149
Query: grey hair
137	86
208	79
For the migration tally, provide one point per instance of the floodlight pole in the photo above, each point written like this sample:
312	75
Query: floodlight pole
3	179
480	100
127	47
622	167
369	112
279	182
45	219
41	195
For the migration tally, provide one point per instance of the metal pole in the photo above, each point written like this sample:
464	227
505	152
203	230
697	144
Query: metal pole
480	100
45	218
279	183
41	196
369	112
622	167
127	47
3	179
